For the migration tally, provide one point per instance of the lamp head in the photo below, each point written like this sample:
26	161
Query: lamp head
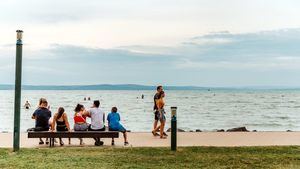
19	34
173	111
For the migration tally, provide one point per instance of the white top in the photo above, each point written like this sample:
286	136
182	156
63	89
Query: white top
97	118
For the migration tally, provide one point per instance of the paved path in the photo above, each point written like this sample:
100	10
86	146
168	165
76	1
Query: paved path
138	139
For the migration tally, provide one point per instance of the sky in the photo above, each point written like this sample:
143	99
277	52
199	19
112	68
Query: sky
229	43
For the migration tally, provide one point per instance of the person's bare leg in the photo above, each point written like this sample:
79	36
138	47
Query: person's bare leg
112	141
41	141
155	124
157	128
125	136
161	129
154	132
61	142
162	125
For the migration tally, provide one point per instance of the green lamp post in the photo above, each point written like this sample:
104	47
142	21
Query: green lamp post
173	128
18	84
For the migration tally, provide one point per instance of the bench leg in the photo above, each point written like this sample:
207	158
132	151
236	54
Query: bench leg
50	142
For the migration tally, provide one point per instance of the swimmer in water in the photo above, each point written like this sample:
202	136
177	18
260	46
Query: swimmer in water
27	105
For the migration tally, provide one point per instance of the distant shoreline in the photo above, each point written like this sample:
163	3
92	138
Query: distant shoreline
138	87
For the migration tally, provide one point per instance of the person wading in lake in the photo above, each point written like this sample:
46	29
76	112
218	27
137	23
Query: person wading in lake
27	105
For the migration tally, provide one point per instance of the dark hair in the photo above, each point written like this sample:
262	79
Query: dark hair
43	100
160	94
97	103
114	109
78	108
61	111
158	87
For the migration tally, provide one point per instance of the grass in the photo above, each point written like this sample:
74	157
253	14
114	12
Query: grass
188	157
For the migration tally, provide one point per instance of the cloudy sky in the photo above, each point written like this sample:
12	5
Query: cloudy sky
169	42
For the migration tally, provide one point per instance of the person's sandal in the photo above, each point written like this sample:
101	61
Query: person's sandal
61	143
47	141
163	137
165	134
41	142
126	143
81	141
155	134
112	142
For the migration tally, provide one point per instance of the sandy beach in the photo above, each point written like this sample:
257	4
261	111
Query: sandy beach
141	139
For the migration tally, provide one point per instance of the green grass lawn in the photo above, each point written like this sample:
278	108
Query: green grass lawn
189	157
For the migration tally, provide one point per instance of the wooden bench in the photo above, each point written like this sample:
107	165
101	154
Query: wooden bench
72	134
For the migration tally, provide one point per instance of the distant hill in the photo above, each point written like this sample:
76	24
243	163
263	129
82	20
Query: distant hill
100	87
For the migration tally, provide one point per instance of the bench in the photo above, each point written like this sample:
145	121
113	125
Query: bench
72	134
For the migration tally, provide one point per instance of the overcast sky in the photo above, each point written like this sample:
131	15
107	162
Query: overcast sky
169	42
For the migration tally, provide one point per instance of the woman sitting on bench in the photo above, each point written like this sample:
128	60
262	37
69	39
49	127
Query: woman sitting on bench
80	123
62	124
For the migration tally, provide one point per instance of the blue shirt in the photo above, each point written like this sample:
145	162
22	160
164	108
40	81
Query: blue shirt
114	120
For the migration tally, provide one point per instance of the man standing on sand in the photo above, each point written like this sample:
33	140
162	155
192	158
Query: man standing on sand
155	109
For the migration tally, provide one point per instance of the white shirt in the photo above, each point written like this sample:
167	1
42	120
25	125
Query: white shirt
97	116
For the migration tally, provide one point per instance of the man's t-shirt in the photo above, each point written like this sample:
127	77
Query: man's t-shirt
42	116
97	118
154	99
114	120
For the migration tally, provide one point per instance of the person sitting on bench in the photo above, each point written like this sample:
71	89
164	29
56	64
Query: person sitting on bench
97	120
42	116
80	123
113	119
62	124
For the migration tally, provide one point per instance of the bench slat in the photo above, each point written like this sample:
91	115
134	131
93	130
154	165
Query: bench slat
74	134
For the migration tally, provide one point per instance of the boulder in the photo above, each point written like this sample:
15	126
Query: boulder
221	130
191	131
254	130
289	131
198	130
178	130
243	129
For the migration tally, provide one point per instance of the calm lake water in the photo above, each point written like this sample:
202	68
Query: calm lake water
262	110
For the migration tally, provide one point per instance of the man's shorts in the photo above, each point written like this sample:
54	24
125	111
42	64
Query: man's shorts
156	115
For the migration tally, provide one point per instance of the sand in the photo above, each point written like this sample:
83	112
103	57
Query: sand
140	139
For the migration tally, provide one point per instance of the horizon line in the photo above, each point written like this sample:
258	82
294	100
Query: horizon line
143	85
